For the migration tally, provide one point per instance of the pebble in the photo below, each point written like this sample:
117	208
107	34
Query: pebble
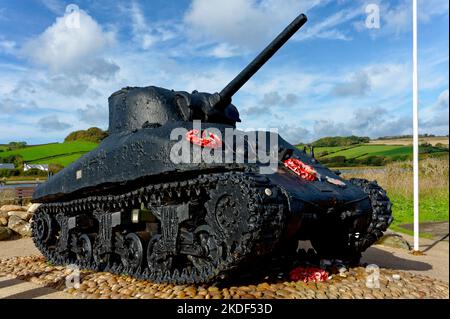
393	284
396	276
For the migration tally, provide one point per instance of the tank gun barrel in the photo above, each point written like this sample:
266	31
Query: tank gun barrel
253	67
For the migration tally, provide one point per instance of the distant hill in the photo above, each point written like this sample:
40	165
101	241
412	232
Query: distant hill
408	140
56	153
340	151
93	134
12	146
331	141
371	154
405	136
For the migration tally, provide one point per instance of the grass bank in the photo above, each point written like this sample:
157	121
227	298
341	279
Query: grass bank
56	153
397	179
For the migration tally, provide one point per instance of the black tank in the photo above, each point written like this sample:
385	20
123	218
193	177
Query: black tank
134	205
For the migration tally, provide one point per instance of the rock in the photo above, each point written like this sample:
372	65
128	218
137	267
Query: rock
325	263
396	277
20	226
33	207
5	233
3	221
394	240
342	269
3	214
8	208
21	214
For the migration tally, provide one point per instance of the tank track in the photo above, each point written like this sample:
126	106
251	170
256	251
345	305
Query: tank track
381	212
205	228
347	238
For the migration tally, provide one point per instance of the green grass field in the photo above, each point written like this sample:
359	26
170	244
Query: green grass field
57	153
367	150
432	208
64	160
364	150
331	149
397	180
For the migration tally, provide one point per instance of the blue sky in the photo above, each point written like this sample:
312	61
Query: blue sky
59	64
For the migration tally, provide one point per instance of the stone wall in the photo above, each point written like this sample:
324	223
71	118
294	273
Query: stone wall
15	220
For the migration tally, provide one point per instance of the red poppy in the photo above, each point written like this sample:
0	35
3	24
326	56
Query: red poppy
307	274
301	169
206	139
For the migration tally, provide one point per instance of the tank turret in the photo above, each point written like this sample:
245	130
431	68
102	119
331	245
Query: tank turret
134	108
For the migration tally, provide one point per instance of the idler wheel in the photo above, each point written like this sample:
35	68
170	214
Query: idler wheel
212	252
134	245
84	248
228	214
101	260
43	225
158	258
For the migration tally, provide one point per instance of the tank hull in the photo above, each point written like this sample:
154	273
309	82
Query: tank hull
214	217
127	159
154	202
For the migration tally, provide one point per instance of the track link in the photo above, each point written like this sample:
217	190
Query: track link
381	212
226	235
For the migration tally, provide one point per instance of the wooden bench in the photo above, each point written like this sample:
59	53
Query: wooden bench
24	193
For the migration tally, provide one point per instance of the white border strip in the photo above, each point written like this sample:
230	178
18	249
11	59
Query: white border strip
415	132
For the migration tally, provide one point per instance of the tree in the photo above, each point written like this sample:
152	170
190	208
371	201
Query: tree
340	141
16	145
17	160
93	134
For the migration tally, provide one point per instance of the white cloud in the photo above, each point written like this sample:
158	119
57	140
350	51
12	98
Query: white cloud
147	34
275	99
52	123
72	52
389	79
242	23
77	90
396	19
443	99
12	106
55	6
67	45
382	90
93	115
433	67
328	27
326	127
256	111
294	134
370	121
431	8
358	85
7	46
372	81
223	50
3	14
435	118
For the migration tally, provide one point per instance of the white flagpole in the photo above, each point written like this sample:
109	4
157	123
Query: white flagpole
415	132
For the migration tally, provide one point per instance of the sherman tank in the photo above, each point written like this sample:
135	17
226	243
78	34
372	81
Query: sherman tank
135	206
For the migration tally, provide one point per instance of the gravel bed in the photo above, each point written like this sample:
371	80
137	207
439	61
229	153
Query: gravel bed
393	284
